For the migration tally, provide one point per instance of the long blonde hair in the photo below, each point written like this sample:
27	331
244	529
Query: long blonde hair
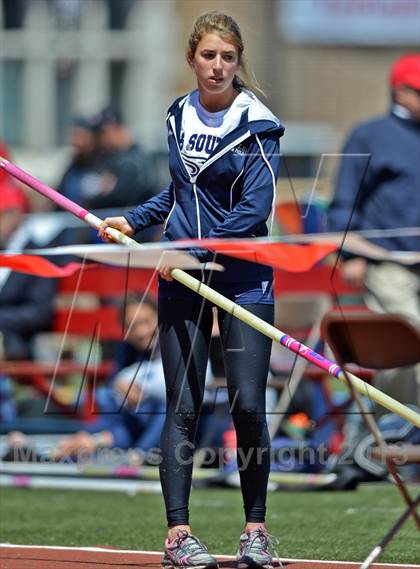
228	29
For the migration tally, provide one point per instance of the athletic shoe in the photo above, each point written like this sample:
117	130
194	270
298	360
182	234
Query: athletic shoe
187	552
254	550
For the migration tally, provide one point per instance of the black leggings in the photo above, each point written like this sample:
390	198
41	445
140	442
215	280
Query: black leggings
185	332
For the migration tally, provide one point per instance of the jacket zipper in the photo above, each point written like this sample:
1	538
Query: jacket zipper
197	209
233	185
203	167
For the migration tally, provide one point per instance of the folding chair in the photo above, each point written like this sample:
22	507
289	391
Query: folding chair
378	341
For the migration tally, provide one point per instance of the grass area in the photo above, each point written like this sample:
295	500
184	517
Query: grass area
325	525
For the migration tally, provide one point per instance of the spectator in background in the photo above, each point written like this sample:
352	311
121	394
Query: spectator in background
26	301
124	176
13	200
132	406
80	181
378	187
138	318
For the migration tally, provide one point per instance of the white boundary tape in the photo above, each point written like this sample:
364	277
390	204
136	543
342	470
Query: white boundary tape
129	551
67	483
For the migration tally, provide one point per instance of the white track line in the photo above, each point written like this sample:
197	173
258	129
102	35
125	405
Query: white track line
71	483
141	552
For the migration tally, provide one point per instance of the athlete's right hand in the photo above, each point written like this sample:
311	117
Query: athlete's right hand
165	272
119	223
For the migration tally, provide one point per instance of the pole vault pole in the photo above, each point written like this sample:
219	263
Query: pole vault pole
219	300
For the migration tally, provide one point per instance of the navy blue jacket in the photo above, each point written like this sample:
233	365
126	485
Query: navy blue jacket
231	196
378	184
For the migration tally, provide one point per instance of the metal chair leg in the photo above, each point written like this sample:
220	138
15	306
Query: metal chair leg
376	551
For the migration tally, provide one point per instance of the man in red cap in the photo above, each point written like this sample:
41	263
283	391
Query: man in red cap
378	188
405	83
378	183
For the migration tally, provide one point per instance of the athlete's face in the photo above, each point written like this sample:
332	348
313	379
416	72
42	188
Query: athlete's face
215	63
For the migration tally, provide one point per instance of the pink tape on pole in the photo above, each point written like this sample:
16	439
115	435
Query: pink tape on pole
43	189
310	355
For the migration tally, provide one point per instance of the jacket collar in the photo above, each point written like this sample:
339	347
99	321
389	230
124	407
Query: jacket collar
258	125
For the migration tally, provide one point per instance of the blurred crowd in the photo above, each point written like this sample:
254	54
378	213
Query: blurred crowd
377	186
108	168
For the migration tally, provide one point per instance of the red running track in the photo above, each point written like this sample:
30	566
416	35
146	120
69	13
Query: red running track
28	557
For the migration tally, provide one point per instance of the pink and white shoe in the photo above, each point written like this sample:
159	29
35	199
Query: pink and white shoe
254	549
187	552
